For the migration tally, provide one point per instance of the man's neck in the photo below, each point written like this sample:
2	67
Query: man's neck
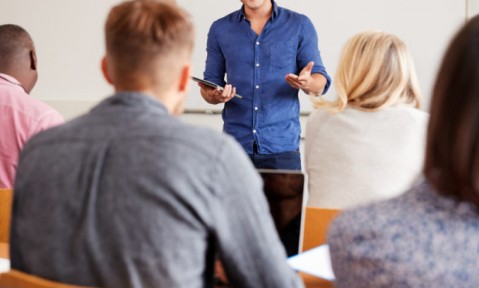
14	78
167	98
260	13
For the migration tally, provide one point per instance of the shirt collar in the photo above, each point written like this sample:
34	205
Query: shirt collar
275	10
133	99
8	78
12	81
242	15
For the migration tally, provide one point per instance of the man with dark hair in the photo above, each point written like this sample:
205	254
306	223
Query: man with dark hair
129	196
21	116
268	54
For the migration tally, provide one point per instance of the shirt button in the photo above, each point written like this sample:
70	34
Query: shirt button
257	86
254	131
257	64
257	43
256	108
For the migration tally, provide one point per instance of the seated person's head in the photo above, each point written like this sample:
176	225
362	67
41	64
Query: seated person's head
17	55
375	71
452	154
148	49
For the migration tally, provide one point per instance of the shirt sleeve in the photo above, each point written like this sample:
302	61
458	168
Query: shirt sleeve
308	51
215	67
248	244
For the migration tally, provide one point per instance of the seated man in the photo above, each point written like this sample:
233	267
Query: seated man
21	116
129	196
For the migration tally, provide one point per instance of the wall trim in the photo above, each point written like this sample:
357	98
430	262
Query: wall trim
71	108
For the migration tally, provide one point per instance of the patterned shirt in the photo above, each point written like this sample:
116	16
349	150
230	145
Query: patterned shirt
420	239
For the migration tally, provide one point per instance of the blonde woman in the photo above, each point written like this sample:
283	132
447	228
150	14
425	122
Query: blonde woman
369	144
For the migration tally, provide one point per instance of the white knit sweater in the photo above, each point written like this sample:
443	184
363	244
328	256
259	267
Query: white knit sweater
356	157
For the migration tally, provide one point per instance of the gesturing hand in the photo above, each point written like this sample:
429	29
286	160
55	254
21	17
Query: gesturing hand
303	80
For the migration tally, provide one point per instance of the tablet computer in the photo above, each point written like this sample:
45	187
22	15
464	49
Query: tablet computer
212	85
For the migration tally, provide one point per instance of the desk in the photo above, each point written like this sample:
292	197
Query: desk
311	281
4	262
4	252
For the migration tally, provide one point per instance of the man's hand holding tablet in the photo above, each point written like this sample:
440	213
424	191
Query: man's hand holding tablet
215	94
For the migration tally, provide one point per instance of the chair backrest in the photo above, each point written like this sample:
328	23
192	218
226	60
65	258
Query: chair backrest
17	279
6	196
316	224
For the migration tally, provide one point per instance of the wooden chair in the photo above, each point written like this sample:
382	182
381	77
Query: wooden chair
6	196
316	224
17	279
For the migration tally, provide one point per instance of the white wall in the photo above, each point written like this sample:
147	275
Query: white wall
69	38
426	26
472	7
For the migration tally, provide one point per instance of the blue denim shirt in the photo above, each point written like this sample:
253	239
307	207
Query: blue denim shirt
257	65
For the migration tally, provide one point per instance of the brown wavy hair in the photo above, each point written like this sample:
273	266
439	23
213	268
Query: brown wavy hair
452	155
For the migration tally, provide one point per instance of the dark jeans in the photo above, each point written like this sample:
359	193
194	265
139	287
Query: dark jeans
286	161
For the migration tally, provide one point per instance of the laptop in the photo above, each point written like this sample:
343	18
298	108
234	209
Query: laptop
285	191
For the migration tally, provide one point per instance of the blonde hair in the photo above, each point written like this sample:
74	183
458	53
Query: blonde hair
375	71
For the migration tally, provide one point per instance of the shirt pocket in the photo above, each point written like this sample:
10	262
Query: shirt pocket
281	55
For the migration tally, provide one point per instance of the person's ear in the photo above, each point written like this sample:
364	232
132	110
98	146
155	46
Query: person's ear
105	71
33	60
185	79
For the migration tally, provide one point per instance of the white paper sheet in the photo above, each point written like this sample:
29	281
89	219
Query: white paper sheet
4	265
316	262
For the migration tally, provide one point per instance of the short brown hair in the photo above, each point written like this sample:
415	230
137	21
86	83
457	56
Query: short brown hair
452	155
147	41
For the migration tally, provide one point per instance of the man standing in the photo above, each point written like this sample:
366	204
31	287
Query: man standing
21	116
129	196
267	53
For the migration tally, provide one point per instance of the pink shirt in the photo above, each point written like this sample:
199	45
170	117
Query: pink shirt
21	117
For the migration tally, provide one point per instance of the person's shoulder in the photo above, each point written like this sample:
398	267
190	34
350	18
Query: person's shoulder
411	115
27	106
376	217
320	114
417	114
325	114
206	140
43	138
297	16
41	107
199	135
318	117
229	18
403	108
196	142
291	12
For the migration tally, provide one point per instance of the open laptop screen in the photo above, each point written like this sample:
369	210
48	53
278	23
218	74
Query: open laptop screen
284	192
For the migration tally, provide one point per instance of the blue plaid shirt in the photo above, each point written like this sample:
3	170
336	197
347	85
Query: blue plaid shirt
268	113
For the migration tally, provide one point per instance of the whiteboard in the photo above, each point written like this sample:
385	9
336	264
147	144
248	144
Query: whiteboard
69	37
